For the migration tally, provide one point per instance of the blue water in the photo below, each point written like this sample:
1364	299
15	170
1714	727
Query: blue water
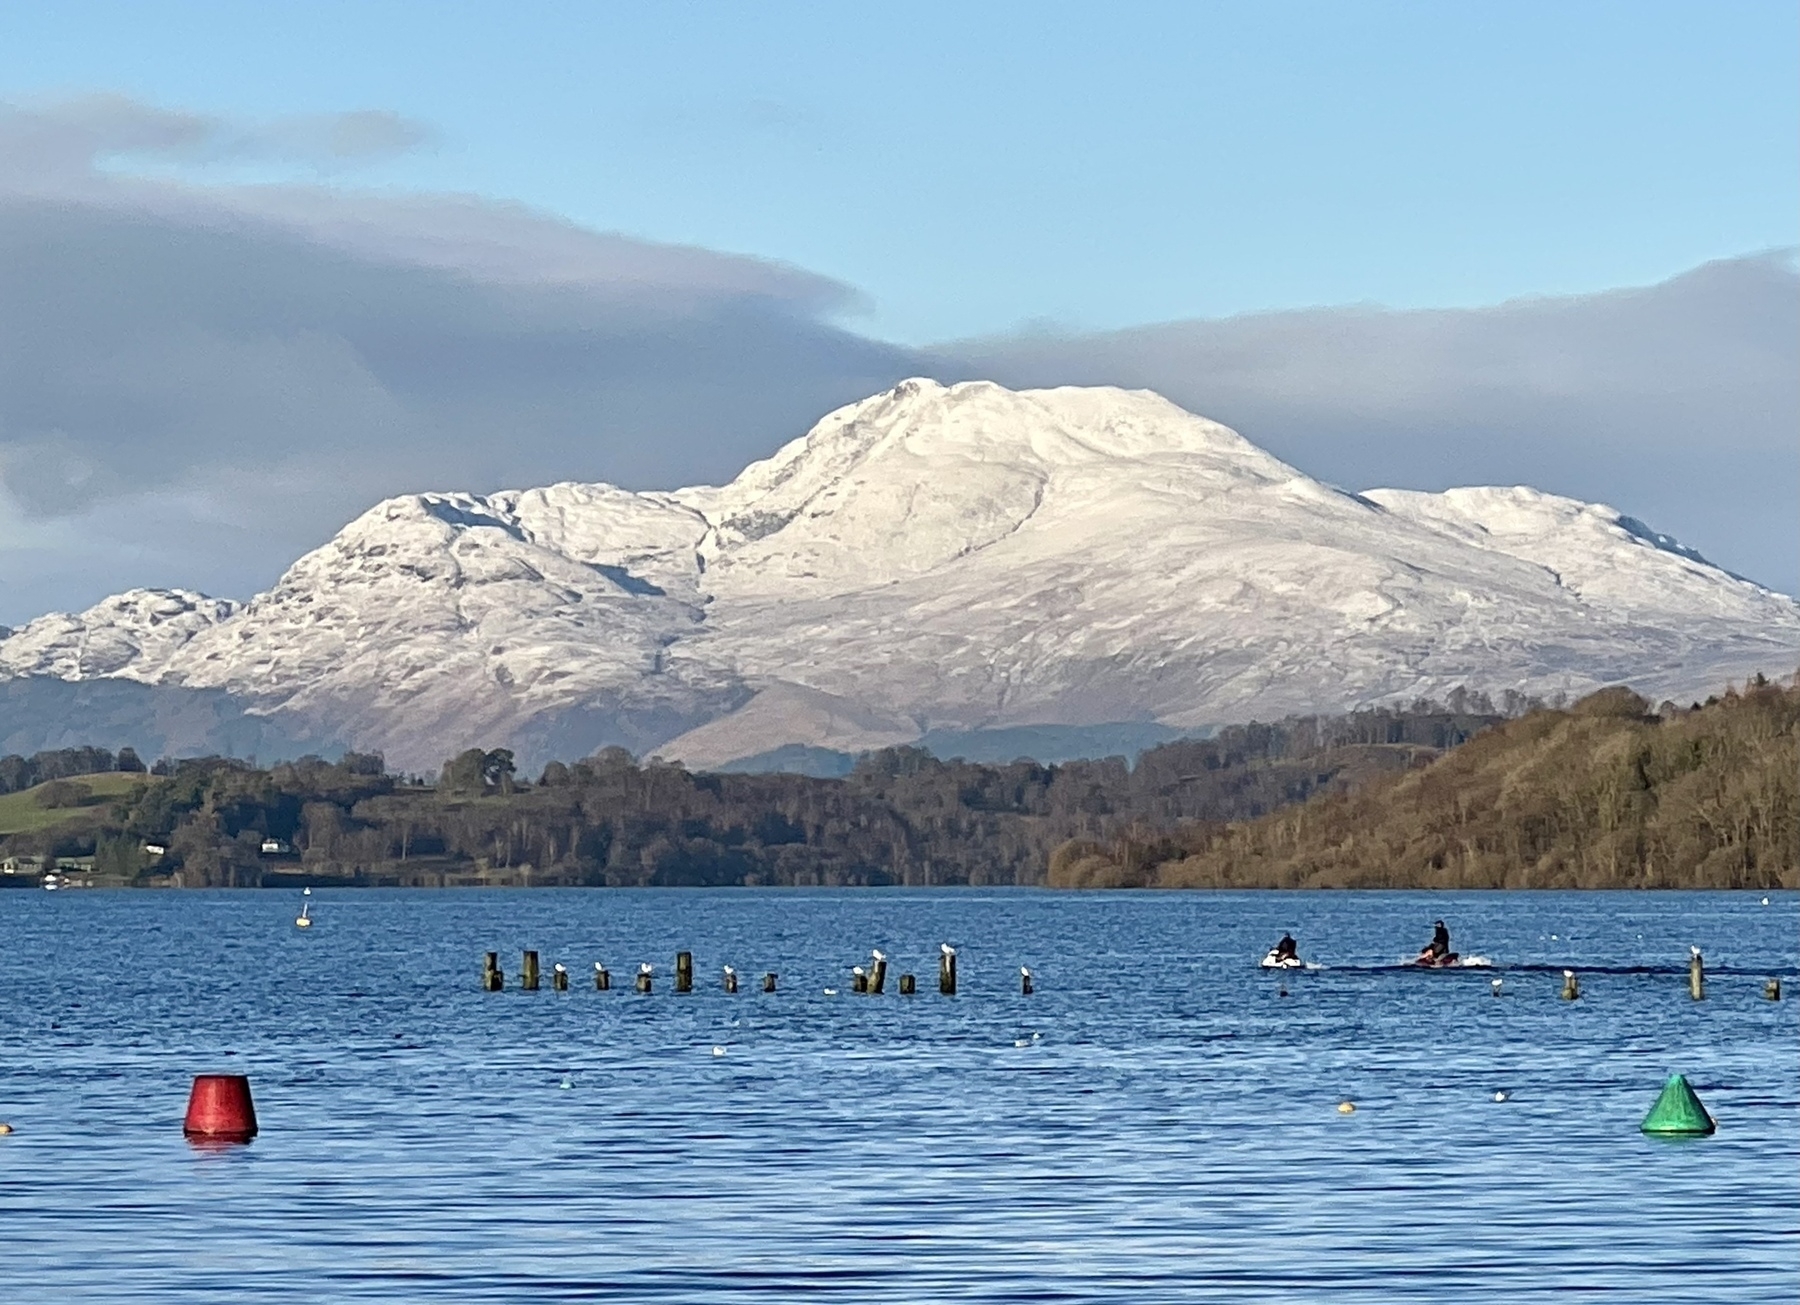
1156	1123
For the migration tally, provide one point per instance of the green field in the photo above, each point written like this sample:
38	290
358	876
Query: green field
20	813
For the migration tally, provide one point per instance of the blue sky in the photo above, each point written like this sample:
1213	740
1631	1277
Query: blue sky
971	168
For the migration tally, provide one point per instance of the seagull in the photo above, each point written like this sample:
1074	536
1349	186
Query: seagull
878	954
1695	950
718	1051
558	968
729	971
947	949
644	967
1567	974
1025	970
1495	985
858	971
1499	1096
598	966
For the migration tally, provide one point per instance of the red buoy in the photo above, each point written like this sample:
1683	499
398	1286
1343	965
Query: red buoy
219	1108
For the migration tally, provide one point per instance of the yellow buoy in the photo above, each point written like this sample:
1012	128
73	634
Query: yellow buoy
1346	1108
5	1129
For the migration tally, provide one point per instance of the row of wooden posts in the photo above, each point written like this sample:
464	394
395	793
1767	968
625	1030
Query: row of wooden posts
1696	982
871	979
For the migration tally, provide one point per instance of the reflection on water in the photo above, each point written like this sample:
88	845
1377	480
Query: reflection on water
1157	1122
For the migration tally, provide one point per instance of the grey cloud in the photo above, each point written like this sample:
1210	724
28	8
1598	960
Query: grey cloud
197	383
142	357
68	137
1676	403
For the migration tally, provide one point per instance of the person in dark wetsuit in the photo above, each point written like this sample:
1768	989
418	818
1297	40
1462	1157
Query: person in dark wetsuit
1439	947
1287	949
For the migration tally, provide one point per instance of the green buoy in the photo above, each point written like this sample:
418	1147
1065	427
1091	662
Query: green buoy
1678	1110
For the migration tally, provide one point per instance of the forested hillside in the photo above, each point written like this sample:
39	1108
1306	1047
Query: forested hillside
1603	795
902	816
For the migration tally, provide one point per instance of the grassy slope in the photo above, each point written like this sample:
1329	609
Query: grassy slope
1596	797
20	813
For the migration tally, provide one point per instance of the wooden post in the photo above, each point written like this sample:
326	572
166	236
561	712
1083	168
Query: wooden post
947	969
878	973
602	980
491	978
1024	981
769	982
684	971
643	978
1571	989
528	973
859	980
1696	976
730	979
1772	990
559	977
908	985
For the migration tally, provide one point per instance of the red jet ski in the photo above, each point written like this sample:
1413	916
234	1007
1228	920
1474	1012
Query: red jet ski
1427	959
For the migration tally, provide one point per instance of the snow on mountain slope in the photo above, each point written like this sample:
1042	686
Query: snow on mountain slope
130	634
952	558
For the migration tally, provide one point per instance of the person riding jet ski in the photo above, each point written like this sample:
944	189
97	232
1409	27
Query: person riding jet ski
1437	951
1283	955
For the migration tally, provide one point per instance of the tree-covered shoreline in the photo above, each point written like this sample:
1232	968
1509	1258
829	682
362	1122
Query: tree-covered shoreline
901	817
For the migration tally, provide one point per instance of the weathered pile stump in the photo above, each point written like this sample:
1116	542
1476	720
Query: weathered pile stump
947	969
769	982
1571	989
877	973
1772	990
492	980
602	980
684	971
730	979
559	977
528	972
645	970
1696	975
1024	981
908	985
859	979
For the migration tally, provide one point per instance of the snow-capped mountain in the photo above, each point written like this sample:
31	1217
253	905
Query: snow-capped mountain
935	559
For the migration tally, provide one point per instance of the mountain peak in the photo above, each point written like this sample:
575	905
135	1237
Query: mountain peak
934	558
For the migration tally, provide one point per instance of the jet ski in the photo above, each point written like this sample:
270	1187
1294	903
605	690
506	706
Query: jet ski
1275	961
1450	961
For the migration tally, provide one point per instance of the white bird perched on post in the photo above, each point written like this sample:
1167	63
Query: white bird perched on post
644	967
947	949
878	954
1693	951
729	970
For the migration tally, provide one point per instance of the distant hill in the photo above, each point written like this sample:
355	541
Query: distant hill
1603	795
